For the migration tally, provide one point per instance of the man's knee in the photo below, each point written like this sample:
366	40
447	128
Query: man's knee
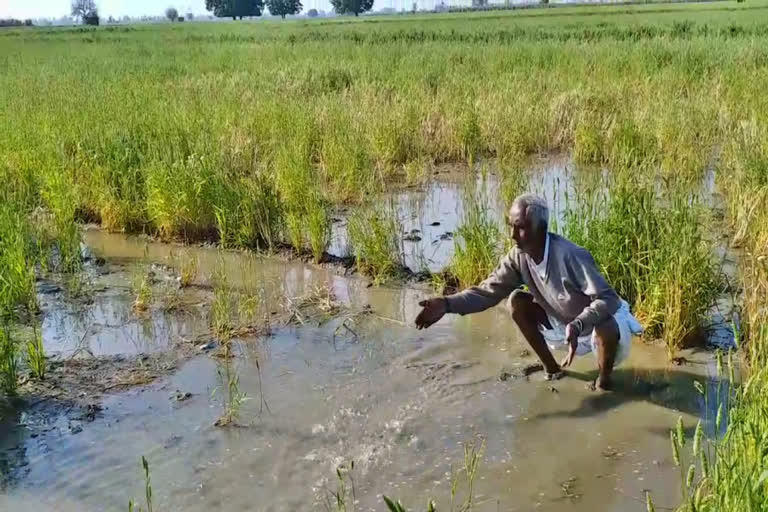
607	333
519	305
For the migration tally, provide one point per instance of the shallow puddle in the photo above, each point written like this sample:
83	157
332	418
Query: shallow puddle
397	401
430	216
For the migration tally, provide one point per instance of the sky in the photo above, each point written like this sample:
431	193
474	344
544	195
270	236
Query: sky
22	9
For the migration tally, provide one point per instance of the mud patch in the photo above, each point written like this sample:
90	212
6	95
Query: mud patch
86	379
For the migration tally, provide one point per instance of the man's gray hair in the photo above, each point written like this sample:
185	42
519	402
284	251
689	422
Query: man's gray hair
535	208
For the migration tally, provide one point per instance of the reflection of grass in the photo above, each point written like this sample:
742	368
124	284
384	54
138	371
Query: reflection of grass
77	286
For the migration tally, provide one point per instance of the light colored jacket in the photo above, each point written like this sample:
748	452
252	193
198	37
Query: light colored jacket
572	287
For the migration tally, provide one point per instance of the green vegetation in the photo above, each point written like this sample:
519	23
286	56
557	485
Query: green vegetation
735	476
476	246
375	239
283	7
8	362
183	134
141	287
132	507
234	8
234	397
473	454
653	250
352	6
188	270
36	355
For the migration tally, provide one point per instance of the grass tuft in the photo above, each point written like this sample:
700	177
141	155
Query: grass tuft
375	237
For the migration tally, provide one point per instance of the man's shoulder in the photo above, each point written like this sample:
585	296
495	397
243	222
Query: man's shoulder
566	249
512	256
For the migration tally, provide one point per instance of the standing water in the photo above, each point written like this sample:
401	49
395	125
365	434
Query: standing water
359	384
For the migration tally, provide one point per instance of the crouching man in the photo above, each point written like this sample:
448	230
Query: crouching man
567	304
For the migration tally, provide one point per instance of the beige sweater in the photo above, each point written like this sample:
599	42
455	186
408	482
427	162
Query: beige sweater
571	288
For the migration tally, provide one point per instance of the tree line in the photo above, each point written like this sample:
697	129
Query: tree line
239	8
88	13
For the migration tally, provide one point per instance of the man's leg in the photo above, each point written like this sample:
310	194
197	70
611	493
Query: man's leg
528	316
607	341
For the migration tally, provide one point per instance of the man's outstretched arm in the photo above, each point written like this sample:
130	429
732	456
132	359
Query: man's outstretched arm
502	282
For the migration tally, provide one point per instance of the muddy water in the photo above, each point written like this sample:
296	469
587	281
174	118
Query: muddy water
397	401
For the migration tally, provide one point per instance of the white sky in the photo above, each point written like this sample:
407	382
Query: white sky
22	9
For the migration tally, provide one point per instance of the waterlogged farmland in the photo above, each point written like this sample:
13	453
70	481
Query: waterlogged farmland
215	236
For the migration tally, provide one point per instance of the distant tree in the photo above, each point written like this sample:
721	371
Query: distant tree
351	6
234	8
283	7
171	13
190	16
312	13
84	9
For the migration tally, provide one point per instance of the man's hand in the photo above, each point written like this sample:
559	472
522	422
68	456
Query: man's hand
434	309
572	337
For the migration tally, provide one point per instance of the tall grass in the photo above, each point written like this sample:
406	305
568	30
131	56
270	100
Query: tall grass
224	307
375	237
8	361
36	355
653	249
17	277
734	477
476	242
177	150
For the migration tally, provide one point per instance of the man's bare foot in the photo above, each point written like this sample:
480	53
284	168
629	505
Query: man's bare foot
601	383
530	369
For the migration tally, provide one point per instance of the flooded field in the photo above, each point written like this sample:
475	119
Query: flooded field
430	215
327	175
398	402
